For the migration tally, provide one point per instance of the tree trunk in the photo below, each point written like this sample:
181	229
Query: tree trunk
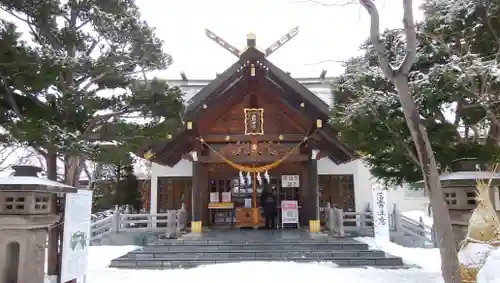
442	223
53	247
74	169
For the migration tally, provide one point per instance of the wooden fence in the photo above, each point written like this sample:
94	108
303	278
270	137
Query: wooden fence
172	222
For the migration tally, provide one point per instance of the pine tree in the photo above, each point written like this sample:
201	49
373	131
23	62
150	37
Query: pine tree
77	89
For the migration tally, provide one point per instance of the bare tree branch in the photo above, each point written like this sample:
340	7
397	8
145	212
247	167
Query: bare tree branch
399	77
6	153
411	38
382	52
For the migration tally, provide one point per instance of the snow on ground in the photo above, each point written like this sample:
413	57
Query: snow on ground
262	272
490	273
416	215
428	259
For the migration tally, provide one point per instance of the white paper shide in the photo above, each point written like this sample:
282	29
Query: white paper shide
380	214
76	237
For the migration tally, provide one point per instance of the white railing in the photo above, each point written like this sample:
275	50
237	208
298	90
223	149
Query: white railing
408	231
171	223
416	233
340	222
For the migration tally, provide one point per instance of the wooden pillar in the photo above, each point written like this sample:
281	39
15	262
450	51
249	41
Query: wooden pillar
196	200
312	168
304	210
199	191
153	196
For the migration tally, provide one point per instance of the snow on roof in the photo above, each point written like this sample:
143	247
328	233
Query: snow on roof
469	175
463	176
322	91
11	183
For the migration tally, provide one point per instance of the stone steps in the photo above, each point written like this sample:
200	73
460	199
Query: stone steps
380	262
254	246
344	252
252	254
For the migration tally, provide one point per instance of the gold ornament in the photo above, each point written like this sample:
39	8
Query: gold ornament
148	155
319	123
260	169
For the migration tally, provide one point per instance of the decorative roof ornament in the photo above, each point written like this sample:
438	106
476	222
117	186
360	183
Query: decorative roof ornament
148	155
252	42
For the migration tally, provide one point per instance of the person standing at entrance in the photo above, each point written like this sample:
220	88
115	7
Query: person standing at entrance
268	202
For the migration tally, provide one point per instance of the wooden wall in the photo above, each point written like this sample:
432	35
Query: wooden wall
275	119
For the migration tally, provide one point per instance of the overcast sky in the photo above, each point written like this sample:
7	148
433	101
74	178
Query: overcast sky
326	32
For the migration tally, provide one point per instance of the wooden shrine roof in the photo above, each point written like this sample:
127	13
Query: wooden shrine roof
169	152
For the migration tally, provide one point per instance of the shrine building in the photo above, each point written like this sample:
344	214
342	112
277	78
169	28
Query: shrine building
253	127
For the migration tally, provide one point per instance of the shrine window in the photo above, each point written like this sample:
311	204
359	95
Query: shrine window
450	198
471	198
42	203
13	204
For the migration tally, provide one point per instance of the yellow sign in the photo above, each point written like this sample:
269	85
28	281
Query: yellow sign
221	205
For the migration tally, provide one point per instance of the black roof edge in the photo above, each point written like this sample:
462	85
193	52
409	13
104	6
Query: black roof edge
249	54
196	101
306	93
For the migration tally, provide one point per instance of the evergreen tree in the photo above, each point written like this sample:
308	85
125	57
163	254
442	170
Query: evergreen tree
77	89
130	188
369	117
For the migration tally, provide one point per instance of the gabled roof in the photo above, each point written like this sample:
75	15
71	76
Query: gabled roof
274	74
295	95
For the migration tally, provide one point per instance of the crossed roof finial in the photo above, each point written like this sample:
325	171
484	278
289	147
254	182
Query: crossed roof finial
252	41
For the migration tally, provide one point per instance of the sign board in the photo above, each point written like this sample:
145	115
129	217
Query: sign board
214	197
226	196
380	214
76	237
290	181
289	212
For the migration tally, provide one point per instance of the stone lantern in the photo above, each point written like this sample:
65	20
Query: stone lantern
459	188
26	214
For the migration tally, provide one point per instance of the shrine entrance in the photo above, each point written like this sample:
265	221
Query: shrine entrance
254	126
231	197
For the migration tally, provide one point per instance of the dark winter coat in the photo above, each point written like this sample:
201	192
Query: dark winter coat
268	202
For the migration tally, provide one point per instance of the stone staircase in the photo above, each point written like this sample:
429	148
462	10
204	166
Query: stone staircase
191	252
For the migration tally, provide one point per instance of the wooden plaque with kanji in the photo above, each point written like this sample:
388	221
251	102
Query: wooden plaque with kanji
254	121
